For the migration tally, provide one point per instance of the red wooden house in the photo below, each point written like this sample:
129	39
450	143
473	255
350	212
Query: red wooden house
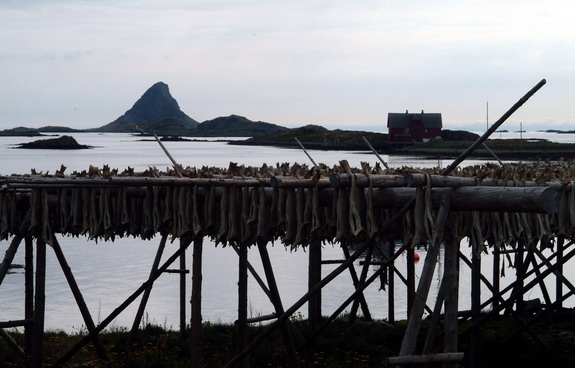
406	128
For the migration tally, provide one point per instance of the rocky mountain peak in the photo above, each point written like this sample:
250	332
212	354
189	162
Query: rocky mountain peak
156	104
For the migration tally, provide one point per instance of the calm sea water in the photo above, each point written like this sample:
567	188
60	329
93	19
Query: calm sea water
108	273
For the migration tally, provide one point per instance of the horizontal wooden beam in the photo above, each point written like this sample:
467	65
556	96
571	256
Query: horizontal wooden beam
490	199
423	359
342	180
16	323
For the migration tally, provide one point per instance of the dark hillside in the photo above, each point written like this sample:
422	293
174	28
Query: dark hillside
316	138
236	126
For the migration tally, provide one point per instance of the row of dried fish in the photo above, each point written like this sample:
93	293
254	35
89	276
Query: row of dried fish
539	171
250	214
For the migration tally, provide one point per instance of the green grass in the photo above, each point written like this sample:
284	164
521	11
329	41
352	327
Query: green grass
362	344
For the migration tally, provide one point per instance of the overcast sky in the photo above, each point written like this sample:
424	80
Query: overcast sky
340	64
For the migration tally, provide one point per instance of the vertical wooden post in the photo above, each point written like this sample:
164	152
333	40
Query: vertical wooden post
414	321
520	266
314	277
360	300
146	295
451	278
196	301
98	345
276	300
496	275
410	279
39	306
9	257
559	280
391	283
28	296
183	276
390	293
476	305
242	338
416	312
435	317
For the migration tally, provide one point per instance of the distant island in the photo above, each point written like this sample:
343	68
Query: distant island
64	142
156	112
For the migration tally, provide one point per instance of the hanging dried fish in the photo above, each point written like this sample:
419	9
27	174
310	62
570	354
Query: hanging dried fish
562	216
62	210
281	210
46	234
355	222
307	213
168	217
235	214
158	209
36	211
107	214
148	227
371	223
430	230
245	212
273	223
210	209
197	225
224	213
317	222
86	199
290	218
300	201
94	219
262	220
419	217
342	210
4	215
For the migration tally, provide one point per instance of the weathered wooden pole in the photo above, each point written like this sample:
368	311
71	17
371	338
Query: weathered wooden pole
355	294
520	271
276	300
542	286
391	287
98	345
13	344
496	275
9	256
183	276
242	337
37	360
196	301
254	273
410	259
305	298
314	276
146	295
356	283
558	272
516	293
414	321
451	279
429	344
28	296
558	280
476	304
493	128
88	337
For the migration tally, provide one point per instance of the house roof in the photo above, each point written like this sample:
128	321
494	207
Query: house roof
402	120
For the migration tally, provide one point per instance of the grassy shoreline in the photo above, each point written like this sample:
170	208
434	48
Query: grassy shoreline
362	344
